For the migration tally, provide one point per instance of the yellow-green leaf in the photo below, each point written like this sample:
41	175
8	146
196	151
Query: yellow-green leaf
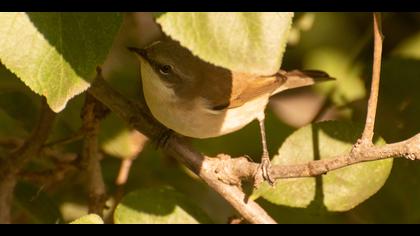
158	206
342	189
55	54
241	41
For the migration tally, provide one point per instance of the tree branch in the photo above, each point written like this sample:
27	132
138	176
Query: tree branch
10	142
225	174
91	115
138	116
233	170
49	177
10	168
72	138
367	135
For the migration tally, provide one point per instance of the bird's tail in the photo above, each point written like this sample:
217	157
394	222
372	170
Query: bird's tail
300	78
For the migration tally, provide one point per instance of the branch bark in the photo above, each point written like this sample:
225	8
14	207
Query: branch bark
10	167
91	114
233	170
138	116
10	142
225	174
49	177
367	135
72	138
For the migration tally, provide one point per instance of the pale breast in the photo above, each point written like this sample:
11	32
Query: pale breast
194	118
201	122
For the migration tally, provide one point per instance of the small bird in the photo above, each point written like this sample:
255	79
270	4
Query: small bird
198	99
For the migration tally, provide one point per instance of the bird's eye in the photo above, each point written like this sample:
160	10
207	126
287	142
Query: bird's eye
165	69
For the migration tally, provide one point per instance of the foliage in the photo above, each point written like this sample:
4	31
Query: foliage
55	55
88	219
157	206
255	46
39	49
342	189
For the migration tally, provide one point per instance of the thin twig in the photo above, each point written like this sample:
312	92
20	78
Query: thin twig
10	142
139	140
48	177
72	138
7	186
120	182
10	168
374	89
124	171
91	157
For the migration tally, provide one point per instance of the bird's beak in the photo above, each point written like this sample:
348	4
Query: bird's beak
138	51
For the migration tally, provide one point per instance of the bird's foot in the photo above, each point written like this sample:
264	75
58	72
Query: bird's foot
265	168
263	172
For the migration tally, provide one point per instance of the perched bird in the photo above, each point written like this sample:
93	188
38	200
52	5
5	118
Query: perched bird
200	100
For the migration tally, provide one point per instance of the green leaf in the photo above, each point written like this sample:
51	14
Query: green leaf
161	205
56	54
240	41
88	219
342	189
397	202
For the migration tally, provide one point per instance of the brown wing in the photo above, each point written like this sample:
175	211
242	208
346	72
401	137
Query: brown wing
247	87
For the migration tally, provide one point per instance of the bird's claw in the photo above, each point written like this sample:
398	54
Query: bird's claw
265	169
263	173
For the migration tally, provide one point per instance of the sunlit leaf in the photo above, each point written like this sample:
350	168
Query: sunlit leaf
56	54
158	206
342	189
241	41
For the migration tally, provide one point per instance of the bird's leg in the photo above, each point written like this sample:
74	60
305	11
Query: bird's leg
265	159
